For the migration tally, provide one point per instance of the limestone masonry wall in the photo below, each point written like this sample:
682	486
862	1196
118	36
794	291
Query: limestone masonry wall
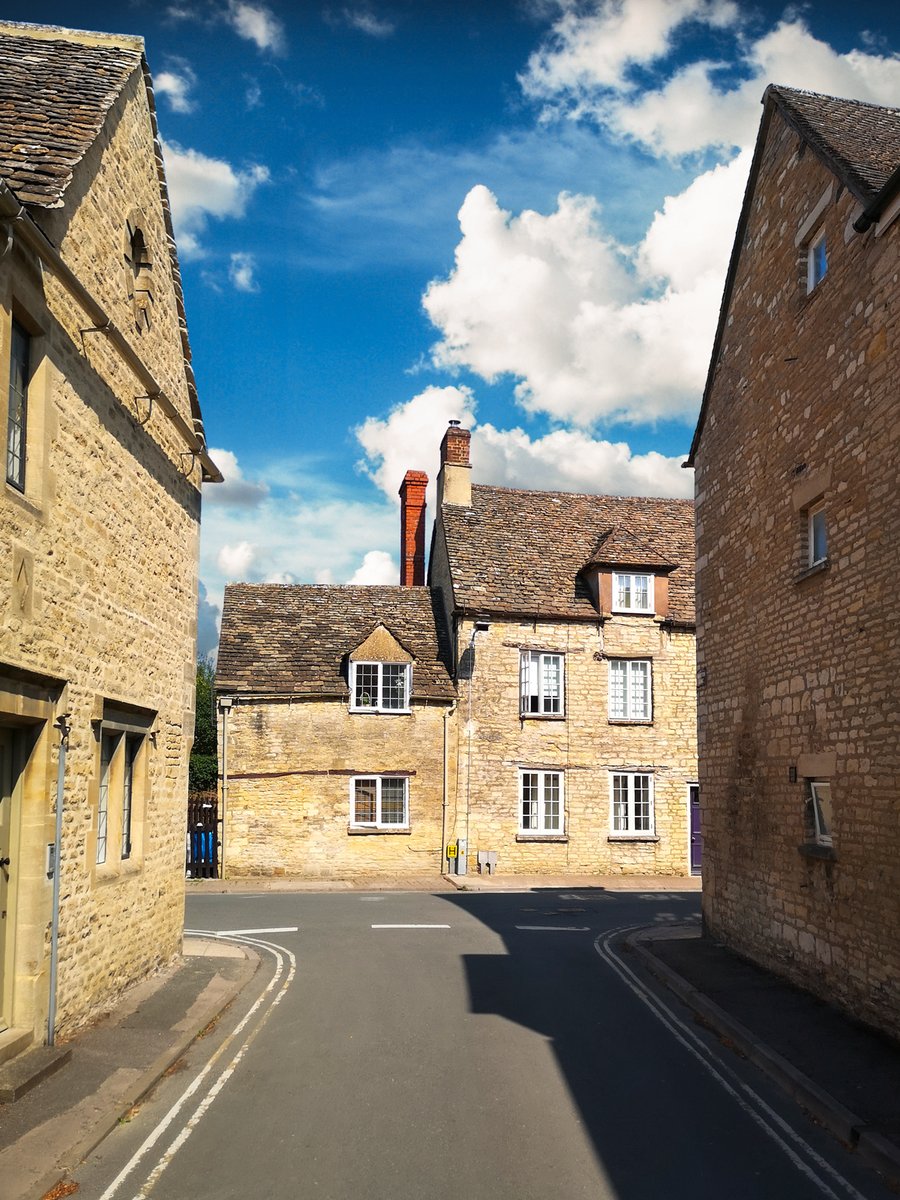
99	557
799	668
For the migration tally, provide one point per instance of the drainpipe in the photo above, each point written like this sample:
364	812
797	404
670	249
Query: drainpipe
447	715
62	724
225	703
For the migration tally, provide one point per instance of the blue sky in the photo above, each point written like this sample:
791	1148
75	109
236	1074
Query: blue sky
515	212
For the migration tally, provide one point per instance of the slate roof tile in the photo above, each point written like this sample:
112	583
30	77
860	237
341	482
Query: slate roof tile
523	552
293	638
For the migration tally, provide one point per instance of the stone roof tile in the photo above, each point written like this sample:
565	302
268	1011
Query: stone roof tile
54	97
523	552
295	639
861	141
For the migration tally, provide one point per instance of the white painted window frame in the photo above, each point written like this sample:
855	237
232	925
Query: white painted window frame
379	706
531	666
632	576
542	829
629	830
378	823
632	667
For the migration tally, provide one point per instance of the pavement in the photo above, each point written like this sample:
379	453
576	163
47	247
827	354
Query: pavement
843	1074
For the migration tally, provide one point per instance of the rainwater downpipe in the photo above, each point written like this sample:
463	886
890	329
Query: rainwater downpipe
225	703
62	724
448	713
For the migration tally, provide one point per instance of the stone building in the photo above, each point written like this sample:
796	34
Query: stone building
572	621
104	457
535	703
797	455
334	712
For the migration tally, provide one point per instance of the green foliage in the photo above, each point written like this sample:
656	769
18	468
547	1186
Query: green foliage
204	770
204	765
205	718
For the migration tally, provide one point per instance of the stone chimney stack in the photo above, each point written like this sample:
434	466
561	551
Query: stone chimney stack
412	529
455	479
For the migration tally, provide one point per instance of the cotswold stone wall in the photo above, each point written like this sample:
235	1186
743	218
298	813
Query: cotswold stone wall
99	560
801	668
494	743
288	789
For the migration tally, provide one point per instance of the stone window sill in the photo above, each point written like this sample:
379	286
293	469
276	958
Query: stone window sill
113	872
630	721
633	837
560	838
542	716
355	831
817	850
819	569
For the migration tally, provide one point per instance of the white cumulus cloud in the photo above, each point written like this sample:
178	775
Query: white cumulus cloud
235	491
256	23
176	83
587	68
376	568
590	329
241	272
235	561
202	187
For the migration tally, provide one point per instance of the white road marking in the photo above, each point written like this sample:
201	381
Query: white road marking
749	1100
280	953
242	932
555	928
371	899
410	926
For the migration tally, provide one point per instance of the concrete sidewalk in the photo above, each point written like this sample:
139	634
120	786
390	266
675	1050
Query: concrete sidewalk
844	1074
471	882
111	1065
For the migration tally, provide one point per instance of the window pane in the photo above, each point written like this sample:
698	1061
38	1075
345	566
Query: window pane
623	591
529	678
393	802
821	793
641	591
618	671
393	686
20	352
107	750
132	745
818	548
551	683
530	800
642	822
639	707
551	802
364	793
620	803
366	690
818	262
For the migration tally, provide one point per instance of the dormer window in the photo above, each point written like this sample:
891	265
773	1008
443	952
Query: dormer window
632	593
379	687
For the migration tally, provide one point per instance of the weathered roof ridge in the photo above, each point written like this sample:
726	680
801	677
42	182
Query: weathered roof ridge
610	496
86	37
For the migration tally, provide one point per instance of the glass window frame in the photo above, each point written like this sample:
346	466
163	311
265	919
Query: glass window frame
631	606
542	828
816	515
816	260
630	829
20	371
380	669
532	670
378	821
631	666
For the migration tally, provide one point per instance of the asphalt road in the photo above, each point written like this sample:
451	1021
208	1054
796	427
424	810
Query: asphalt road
402	1046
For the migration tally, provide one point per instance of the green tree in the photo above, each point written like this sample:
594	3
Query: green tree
204	767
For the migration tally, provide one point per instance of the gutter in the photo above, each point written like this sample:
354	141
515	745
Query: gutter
876	207
38	242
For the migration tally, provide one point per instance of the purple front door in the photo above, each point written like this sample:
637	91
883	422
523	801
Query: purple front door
696	835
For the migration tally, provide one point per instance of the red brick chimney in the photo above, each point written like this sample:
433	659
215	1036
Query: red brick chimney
412	529
455	445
